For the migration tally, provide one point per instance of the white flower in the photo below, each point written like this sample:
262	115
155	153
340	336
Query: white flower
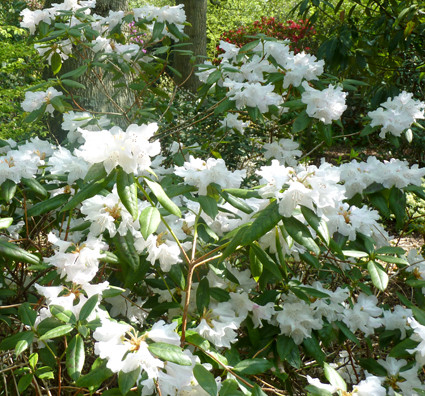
232	121
284	150
230	50
219	325
398	319
370	386
34	100
79	265
32	18
364	315
62	162
163	332
397	114
252	95
124	349
131	149
300	67
325	105
297	320
419	336
201	173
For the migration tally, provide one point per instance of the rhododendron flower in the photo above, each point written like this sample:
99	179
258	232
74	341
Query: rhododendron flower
34	100
131	149
325	105
201	174
302	67
397	114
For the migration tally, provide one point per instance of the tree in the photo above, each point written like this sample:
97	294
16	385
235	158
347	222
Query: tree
196	14
100	89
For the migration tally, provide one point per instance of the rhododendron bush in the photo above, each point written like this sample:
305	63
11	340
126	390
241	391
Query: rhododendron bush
131	268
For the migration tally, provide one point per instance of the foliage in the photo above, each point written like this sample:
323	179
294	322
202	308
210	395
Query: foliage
20	69
295	32
127	270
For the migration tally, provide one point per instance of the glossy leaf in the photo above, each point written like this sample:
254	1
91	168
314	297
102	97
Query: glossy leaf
75	357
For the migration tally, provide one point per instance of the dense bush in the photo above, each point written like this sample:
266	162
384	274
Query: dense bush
129	272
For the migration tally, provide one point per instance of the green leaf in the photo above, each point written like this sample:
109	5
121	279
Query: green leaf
95	377
35	186
24	382
48	205
203	295
45	372
95	172
301	122
170	353
315	391
88	307
401	349
73	84
334	378
312	347
127	380
317	223
6	222
56	63
10	342
57	332
75	357
253	366
76	73
397	203
208	205
87	192
163	199
266	261
378	275
300	233
257	391
33	360
347	332
255	265
127	191
24	343
18	254
7	190
205	379
224	106
213	77
63	314
126	250
242	193
149	220
158	28
288	350
236	202
58	104
36	114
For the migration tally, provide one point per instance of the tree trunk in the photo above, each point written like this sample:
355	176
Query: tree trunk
95	96
196	15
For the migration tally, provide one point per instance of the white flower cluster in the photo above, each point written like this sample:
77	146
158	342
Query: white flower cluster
201	174
325	105
397	114
246	77
130	149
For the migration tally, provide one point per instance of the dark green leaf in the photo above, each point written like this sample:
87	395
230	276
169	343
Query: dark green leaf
18	254
57	332
170	353
149	220
378	275
205	379
163	199
127	380
48	205
300	233
75	357
127	191
88	307
203	295
253	366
